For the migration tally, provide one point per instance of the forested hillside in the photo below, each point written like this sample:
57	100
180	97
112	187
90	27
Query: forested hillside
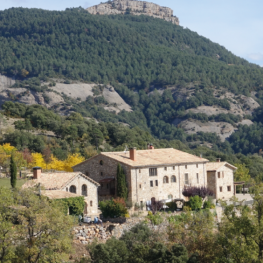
134	50
161	70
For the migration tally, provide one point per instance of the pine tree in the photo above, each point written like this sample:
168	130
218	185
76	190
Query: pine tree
122	190
13	172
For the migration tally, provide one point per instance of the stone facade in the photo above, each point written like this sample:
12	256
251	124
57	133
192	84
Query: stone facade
136	8
87	189
168	183
161	174
221	182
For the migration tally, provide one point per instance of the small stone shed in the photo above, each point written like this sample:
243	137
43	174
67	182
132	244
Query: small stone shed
59	185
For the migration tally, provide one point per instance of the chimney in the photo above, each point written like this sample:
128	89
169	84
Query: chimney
37	172
133	154
150	147
218	160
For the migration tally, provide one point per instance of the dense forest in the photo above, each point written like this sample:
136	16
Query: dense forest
134	50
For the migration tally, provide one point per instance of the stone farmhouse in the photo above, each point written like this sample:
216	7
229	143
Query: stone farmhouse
220	179
60	185
158	173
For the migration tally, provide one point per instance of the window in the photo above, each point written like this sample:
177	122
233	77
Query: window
197	165
170	197
197	178
101	162
221	189
101	173
186	180
84	190
73	189
156	182
140	186
223	174
229	188
107	186
101	185
153	171
139	170
165	168
185	166
151	183
67	189
218	174
173	167
165	180
90	203
173	179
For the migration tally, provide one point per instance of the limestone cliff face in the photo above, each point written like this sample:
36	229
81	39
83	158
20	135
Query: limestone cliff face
136	8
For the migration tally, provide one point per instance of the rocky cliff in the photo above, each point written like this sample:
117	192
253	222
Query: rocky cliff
134	7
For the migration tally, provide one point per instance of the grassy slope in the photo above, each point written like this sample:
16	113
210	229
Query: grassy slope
6	182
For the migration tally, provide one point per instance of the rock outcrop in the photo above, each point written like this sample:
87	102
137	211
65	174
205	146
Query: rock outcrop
134	7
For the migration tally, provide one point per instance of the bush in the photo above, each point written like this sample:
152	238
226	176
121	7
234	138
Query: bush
195	202
172	206
156	219
208	204
113	208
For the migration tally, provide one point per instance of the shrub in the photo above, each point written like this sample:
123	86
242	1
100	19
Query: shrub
156	219
190	191
113	208
195	202
172	205
186	208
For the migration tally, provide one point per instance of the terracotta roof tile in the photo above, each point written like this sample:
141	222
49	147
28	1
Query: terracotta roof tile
58	194
155	157
56	181
213	166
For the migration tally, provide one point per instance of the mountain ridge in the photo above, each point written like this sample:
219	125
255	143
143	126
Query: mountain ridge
134	7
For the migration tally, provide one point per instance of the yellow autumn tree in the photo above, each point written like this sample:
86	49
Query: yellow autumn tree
38	160
56	164
73	159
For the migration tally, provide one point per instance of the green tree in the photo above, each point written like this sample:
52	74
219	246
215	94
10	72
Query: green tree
241	230
13	172
197	232
37	214
7	230
28	126
122	190
242	173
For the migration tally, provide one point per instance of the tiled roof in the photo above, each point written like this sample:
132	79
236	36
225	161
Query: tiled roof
213	166
155	157
58	194
56	181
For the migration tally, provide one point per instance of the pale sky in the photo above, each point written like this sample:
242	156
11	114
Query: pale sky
234	24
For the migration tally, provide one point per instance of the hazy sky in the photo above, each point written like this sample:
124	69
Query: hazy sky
234	24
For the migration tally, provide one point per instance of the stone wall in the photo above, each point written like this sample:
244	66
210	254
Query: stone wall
91	200
101	167
87	233
226	179
143	191
136	8
139	180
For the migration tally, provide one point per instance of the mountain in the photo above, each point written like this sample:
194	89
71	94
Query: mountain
134	7
134	69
